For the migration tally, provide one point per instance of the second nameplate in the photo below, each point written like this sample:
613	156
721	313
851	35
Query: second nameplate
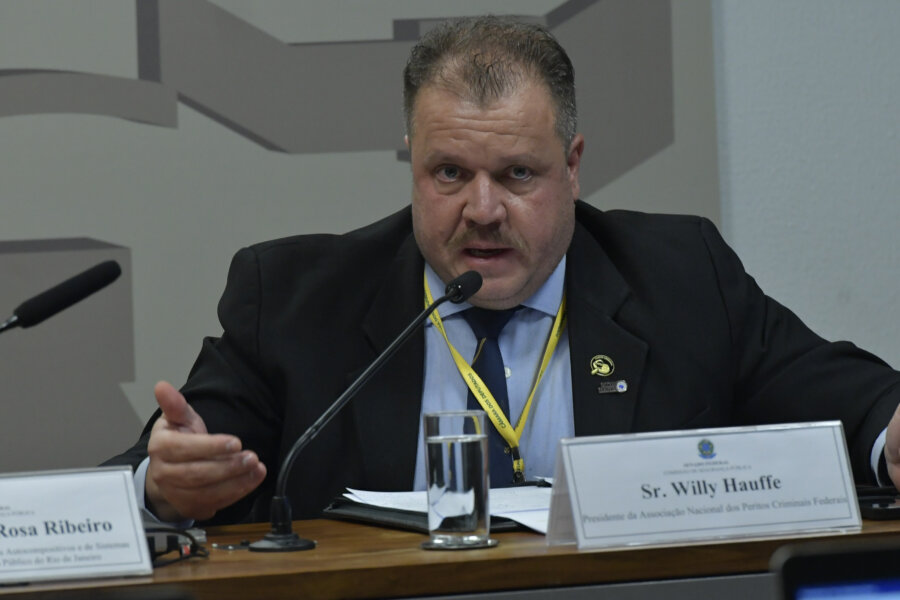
687	486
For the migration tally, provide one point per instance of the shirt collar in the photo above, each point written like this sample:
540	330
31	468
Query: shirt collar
546	299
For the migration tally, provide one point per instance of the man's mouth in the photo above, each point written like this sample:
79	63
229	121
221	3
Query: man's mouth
485	253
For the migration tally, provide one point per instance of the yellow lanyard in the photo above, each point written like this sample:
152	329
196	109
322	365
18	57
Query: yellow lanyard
484	396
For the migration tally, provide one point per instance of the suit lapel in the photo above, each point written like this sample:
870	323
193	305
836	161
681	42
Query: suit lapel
387	409
596	295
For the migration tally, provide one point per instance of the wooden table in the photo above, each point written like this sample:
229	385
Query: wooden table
360	561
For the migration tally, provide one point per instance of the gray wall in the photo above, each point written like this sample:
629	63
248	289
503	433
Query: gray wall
173	132
808	96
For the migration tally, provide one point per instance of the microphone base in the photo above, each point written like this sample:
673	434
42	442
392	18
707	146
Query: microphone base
282	542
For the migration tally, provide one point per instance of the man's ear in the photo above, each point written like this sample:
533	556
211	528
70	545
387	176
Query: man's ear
573	163
406	141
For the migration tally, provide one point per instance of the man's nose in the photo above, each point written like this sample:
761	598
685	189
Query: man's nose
484	204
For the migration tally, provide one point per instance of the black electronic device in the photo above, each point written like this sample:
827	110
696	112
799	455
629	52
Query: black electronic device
878	503
843	569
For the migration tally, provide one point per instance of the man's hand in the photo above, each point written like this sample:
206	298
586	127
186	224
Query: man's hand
892	448
192	474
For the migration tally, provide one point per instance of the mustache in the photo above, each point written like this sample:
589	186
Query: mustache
489	235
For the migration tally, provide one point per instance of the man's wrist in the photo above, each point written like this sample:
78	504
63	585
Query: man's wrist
168	517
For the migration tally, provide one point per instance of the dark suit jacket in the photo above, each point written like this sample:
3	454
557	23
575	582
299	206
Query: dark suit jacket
663	296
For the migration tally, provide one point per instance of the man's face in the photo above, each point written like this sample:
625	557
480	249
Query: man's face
493	190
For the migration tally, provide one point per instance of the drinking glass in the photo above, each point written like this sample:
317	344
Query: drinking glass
456	463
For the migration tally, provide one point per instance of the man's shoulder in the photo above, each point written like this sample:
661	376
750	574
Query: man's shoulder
643	231
635	221
345	270
384	235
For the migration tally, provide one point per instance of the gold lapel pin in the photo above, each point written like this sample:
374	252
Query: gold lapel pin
602	365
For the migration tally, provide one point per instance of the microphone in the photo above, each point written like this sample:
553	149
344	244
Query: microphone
62	296
463	287
281	538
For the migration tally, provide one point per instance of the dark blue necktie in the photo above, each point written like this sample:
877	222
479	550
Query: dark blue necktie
488	363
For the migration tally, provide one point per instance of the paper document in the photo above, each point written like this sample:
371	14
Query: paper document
528	505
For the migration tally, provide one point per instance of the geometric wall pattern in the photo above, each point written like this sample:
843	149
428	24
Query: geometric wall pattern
287	99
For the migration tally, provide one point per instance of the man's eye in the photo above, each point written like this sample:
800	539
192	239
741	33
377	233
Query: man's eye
448	173
520	173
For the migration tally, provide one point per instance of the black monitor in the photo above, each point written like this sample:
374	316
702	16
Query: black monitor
839	570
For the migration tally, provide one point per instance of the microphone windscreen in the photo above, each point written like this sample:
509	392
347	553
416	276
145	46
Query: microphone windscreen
62	296
464	287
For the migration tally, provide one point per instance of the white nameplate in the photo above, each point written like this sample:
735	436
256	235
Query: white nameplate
676	487
73	524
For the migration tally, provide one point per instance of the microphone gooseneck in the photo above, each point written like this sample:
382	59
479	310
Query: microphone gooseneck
281	537
9	323
62	296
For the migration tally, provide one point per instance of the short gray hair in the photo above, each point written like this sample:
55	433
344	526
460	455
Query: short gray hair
485	58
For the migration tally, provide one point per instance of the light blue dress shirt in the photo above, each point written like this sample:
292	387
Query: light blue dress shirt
522	344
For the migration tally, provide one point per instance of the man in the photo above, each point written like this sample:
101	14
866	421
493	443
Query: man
634	322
